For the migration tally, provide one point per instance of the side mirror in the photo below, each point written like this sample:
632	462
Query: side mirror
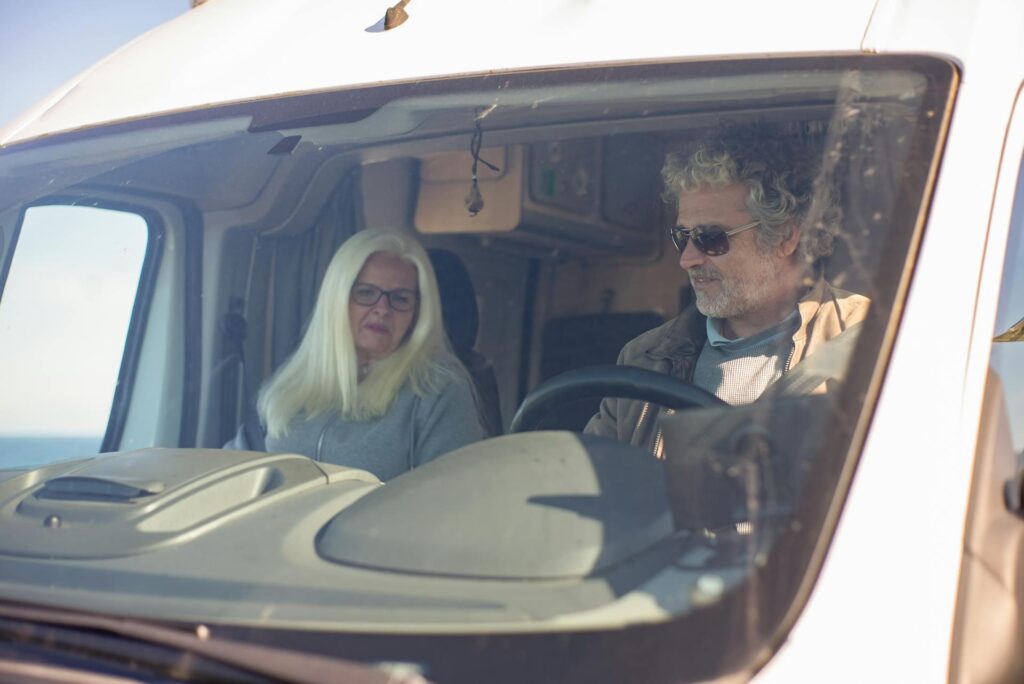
1015	333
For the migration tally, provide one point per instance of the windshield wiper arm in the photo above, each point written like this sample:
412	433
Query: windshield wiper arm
280	664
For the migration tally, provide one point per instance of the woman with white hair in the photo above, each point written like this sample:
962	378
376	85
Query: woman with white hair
372	385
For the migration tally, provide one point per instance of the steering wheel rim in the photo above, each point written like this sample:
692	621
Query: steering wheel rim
624	382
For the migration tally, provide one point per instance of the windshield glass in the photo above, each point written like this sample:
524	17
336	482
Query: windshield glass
578	351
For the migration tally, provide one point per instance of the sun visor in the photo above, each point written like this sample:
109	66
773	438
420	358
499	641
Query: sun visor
38	169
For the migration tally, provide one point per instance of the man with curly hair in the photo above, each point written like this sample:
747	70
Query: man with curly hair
754	225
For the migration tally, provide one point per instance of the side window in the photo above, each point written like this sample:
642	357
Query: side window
65	313
1007	359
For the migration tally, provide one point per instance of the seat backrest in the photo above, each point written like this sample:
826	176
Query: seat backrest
461	323
574	342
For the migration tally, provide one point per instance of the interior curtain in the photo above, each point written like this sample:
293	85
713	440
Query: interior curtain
287	270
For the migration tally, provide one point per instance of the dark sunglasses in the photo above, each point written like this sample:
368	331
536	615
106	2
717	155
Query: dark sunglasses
402	299
712	241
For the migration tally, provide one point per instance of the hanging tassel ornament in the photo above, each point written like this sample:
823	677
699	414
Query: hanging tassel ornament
474	200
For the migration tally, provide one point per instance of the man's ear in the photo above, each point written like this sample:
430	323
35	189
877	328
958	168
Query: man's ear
788	246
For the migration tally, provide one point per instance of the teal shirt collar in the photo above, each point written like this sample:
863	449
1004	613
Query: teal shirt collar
785	328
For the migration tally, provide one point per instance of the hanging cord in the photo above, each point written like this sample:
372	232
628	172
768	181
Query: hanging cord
474	200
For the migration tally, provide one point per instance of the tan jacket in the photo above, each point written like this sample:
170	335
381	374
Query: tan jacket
673	348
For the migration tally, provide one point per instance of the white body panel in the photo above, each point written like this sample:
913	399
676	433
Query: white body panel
237	50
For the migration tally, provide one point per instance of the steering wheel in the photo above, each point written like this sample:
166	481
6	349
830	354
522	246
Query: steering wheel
625	382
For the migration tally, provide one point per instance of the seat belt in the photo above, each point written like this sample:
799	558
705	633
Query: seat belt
252	428
235	330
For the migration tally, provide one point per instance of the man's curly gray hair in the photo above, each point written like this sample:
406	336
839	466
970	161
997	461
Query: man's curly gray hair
779	164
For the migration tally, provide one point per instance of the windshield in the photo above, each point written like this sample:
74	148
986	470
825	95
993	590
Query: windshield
469	374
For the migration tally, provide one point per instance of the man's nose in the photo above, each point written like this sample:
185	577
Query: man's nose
691	256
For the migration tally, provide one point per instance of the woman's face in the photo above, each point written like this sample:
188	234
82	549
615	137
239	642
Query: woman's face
378	329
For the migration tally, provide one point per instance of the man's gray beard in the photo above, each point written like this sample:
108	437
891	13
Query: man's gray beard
737	295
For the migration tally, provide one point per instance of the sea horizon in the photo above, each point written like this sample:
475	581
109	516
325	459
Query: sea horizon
27	450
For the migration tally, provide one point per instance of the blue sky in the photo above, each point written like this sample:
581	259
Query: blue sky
64	317
43	43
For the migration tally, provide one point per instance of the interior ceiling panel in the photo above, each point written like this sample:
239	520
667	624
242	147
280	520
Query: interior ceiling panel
226	174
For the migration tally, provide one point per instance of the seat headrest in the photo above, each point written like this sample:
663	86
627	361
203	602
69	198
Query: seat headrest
458	299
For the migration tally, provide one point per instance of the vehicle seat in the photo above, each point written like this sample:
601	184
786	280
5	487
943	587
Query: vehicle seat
572	342
461	323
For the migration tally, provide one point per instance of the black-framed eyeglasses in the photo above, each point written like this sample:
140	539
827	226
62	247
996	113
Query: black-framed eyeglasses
709	240
402	299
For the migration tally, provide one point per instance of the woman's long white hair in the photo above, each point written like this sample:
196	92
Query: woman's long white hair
323	375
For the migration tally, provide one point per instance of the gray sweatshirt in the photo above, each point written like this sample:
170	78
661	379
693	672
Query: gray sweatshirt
413	431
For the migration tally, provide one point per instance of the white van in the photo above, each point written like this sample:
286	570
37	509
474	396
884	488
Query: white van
166	223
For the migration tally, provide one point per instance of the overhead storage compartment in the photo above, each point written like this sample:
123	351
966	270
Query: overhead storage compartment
598	191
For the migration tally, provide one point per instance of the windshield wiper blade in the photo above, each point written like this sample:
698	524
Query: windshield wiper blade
266	661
